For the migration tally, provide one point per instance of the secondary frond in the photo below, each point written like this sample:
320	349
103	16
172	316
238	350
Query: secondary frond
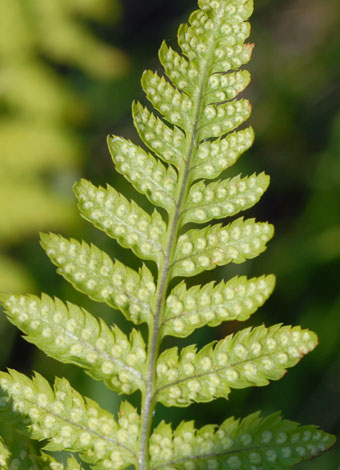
210	304
168	100
223	199
91	271
122	220
69	421
217	245
251	357
25	456
215	156
146	173
162	140
5	455
252	443
70	334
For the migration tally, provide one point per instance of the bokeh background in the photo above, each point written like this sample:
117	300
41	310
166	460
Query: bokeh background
69	70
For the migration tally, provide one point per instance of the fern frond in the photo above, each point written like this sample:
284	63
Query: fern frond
72	335
188	309
69	421
168	100
165	142
253	443
217	245
223	199
122	220
4	455
91	271
215	156
24	456
147	174
251	357
197	140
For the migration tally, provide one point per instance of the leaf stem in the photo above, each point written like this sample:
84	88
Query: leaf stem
174	227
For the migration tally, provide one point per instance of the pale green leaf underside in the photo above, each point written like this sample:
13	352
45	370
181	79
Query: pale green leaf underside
215	156
5	455
210	304
219	119
223	199
251	357
217	245
169	101
197	99
72	335
223	87
146	173
253	443
122	220
91	271
165	142
69	421
229	30
52	464
24	456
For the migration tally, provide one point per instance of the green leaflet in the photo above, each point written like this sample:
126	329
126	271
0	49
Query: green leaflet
147	174
223	199
125	221
217	245
69	421
215	156
251	357
222	118
188	309
165	142
72	464
228	35
4	455
92	272
223	87
251	444
72	335
24	456
168	100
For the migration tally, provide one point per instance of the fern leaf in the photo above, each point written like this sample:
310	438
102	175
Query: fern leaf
4	455
72	464
69	421
188	309
223	199
72	335
147	174
223	87
165	142
222	118
251	357
217	245
91	271
24	456
252	443
181	72
198	110
122	220
213	157
168	100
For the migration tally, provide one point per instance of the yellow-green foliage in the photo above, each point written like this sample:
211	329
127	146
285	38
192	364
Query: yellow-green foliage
39	111
202	110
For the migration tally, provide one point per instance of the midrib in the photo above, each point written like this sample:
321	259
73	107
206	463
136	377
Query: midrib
174	227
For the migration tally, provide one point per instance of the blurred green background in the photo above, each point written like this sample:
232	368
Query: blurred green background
69	70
